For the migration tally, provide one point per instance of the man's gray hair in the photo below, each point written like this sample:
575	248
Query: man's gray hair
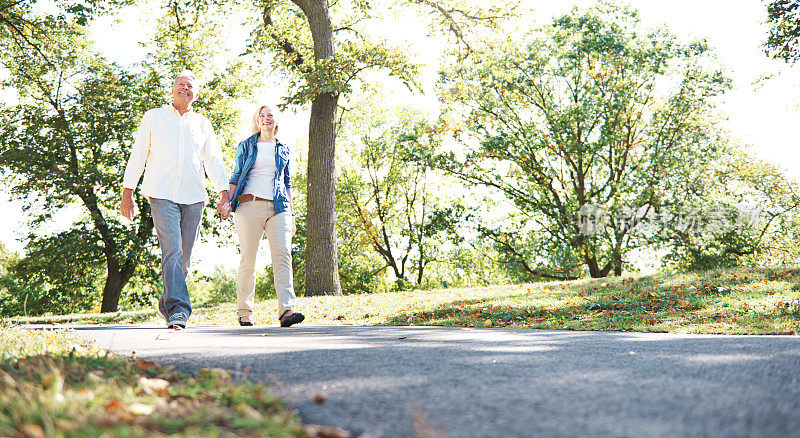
186	73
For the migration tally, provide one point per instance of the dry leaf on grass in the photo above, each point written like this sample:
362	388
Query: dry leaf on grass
114	406
156	387
142	364
141	409
31	431
317	431
249	411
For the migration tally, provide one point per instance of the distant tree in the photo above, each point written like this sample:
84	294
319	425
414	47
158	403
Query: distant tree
396	198
783	19
593	112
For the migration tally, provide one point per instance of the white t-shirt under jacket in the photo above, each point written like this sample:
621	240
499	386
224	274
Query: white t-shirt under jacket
173	150
261	178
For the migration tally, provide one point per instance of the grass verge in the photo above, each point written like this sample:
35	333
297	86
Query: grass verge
53	384
733	301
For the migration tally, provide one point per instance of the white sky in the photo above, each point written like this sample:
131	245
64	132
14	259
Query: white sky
760	115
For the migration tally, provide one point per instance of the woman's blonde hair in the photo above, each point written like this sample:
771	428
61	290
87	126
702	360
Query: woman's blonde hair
256	128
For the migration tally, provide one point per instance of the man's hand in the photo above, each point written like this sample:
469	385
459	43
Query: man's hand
224	205
126	205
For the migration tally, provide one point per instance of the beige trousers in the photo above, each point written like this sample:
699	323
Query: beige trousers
252	219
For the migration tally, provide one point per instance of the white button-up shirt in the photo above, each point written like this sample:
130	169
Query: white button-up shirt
173	150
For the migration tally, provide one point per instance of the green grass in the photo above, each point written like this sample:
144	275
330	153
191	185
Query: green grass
54	384
740	301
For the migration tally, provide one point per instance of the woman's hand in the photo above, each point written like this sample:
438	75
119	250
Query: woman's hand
294	226
224	204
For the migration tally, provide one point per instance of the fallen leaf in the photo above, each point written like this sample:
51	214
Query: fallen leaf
320	397
31	431
142	364
249	411
114	406
487	323
317	431
156	387
65	425
141	409
48	380
94	378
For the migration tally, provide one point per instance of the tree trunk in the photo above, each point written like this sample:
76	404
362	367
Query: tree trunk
618	264
116	279
322	271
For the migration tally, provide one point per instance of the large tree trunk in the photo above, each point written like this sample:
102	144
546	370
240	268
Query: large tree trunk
117	273
322	271
116	279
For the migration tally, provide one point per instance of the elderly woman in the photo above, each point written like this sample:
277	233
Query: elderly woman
261	201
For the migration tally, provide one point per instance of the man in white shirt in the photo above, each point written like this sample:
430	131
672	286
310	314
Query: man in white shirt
174	146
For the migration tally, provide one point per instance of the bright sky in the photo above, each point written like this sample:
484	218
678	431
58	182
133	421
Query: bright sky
761	109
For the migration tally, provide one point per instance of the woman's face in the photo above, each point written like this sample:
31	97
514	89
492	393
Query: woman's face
266	120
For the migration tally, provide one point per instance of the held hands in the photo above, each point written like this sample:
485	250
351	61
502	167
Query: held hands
224	205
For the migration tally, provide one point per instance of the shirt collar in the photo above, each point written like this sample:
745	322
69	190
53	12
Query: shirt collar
175	112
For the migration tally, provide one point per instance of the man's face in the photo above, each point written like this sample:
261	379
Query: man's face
185	91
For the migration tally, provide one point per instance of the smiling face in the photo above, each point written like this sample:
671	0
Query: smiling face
265	120
185	90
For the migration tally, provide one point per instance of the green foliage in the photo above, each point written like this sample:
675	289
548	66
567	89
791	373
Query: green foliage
756	218
209	290
783	19
286	35
592	111
390	196
61	273
62	146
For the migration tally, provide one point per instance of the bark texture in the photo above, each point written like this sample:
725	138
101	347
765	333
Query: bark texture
322	271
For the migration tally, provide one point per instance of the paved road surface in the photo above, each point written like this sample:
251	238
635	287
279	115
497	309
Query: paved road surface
498	382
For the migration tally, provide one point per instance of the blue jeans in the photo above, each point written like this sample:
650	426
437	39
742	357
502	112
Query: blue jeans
177	227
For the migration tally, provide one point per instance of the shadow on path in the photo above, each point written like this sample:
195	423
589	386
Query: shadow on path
494	382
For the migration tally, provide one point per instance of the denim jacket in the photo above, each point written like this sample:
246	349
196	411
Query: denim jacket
243	162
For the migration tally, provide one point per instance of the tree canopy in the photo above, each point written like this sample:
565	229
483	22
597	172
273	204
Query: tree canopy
783	19
592	112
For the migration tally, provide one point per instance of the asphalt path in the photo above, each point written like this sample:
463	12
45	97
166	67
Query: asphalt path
461	382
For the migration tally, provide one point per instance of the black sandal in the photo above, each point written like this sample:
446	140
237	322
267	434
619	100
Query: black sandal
294	318
245	323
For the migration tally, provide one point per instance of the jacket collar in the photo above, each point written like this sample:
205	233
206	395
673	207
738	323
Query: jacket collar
253	140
